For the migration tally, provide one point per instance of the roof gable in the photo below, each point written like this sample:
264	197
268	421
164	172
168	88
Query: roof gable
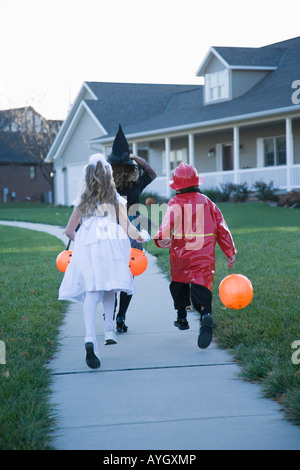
129	103
272	94
249	57
145	109
243	58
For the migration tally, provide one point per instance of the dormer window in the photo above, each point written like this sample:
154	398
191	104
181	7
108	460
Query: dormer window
217	86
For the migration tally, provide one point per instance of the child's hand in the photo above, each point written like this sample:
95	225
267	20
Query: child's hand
164	243
144	236
231	261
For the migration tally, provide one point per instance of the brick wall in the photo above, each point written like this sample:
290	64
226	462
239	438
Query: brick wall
17	179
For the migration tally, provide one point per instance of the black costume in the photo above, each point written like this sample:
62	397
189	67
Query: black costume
121	156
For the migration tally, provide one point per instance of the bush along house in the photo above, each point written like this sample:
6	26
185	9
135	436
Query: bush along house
241	126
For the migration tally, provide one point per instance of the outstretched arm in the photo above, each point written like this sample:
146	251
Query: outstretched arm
127	226
73	223
224	238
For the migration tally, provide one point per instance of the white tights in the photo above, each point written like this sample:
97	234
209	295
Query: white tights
90	311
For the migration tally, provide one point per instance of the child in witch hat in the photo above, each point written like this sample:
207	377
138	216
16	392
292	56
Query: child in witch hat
131	175
197	224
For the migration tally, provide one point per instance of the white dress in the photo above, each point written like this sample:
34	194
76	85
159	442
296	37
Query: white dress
100	259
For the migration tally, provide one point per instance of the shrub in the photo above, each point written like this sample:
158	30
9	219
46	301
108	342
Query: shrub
266	192
238	193
216	195
291	199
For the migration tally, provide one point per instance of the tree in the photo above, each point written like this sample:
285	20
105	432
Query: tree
36	133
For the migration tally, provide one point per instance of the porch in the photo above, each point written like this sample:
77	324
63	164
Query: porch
267	150
284	178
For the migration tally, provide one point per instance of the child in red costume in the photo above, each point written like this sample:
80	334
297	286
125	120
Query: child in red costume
197	224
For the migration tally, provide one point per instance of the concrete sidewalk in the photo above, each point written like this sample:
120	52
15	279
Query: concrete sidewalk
156	390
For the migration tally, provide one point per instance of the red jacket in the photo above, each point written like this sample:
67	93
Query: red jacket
196	224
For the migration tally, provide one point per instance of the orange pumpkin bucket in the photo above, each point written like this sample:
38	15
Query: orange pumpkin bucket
63	260
236	291
138	262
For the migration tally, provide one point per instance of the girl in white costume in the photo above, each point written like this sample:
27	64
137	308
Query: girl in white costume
99	265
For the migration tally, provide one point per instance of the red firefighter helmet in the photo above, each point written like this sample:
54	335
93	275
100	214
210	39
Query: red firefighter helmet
184	175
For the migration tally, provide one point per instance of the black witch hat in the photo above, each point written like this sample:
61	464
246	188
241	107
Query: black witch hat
120	150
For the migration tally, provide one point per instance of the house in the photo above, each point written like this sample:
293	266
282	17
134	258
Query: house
25	138
242	125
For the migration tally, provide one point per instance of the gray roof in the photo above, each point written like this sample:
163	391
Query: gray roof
250	56
131	103
142	108
13	150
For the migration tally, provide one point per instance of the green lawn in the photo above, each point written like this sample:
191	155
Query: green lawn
260	337
35	212
30	315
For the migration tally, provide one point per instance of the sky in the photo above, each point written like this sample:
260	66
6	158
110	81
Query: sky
50	47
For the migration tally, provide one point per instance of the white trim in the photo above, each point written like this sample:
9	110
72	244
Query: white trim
289	150
223	79
205	60
90	91
214	124
219	159
77	116
68	122
260	157
253	67
167	160
236	152
277	174
134	148
191	150
201	69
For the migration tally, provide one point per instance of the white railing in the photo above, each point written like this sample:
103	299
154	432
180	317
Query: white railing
277	174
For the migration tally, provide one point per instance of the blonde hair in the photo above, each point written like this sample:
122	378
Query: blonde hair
125	175
99	188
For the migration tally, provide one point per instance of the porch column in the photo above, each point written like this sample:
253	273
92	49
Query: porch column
191	150
289	151
236	152
167	162
134	148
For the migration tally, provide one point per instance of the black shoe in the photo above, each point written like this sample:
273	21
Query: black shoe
182	324
121	327
205	333
91	359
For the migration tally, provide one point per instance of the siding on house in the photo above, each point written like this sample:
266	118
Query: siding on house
214	65
76	153
16	178
243	80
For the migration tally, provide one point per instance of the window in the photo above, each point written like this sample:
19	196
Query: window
176	157
32	172
217	86
274	151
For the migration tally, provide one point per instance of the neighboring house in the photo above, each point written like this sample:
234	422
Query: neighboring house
25	138
242	125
